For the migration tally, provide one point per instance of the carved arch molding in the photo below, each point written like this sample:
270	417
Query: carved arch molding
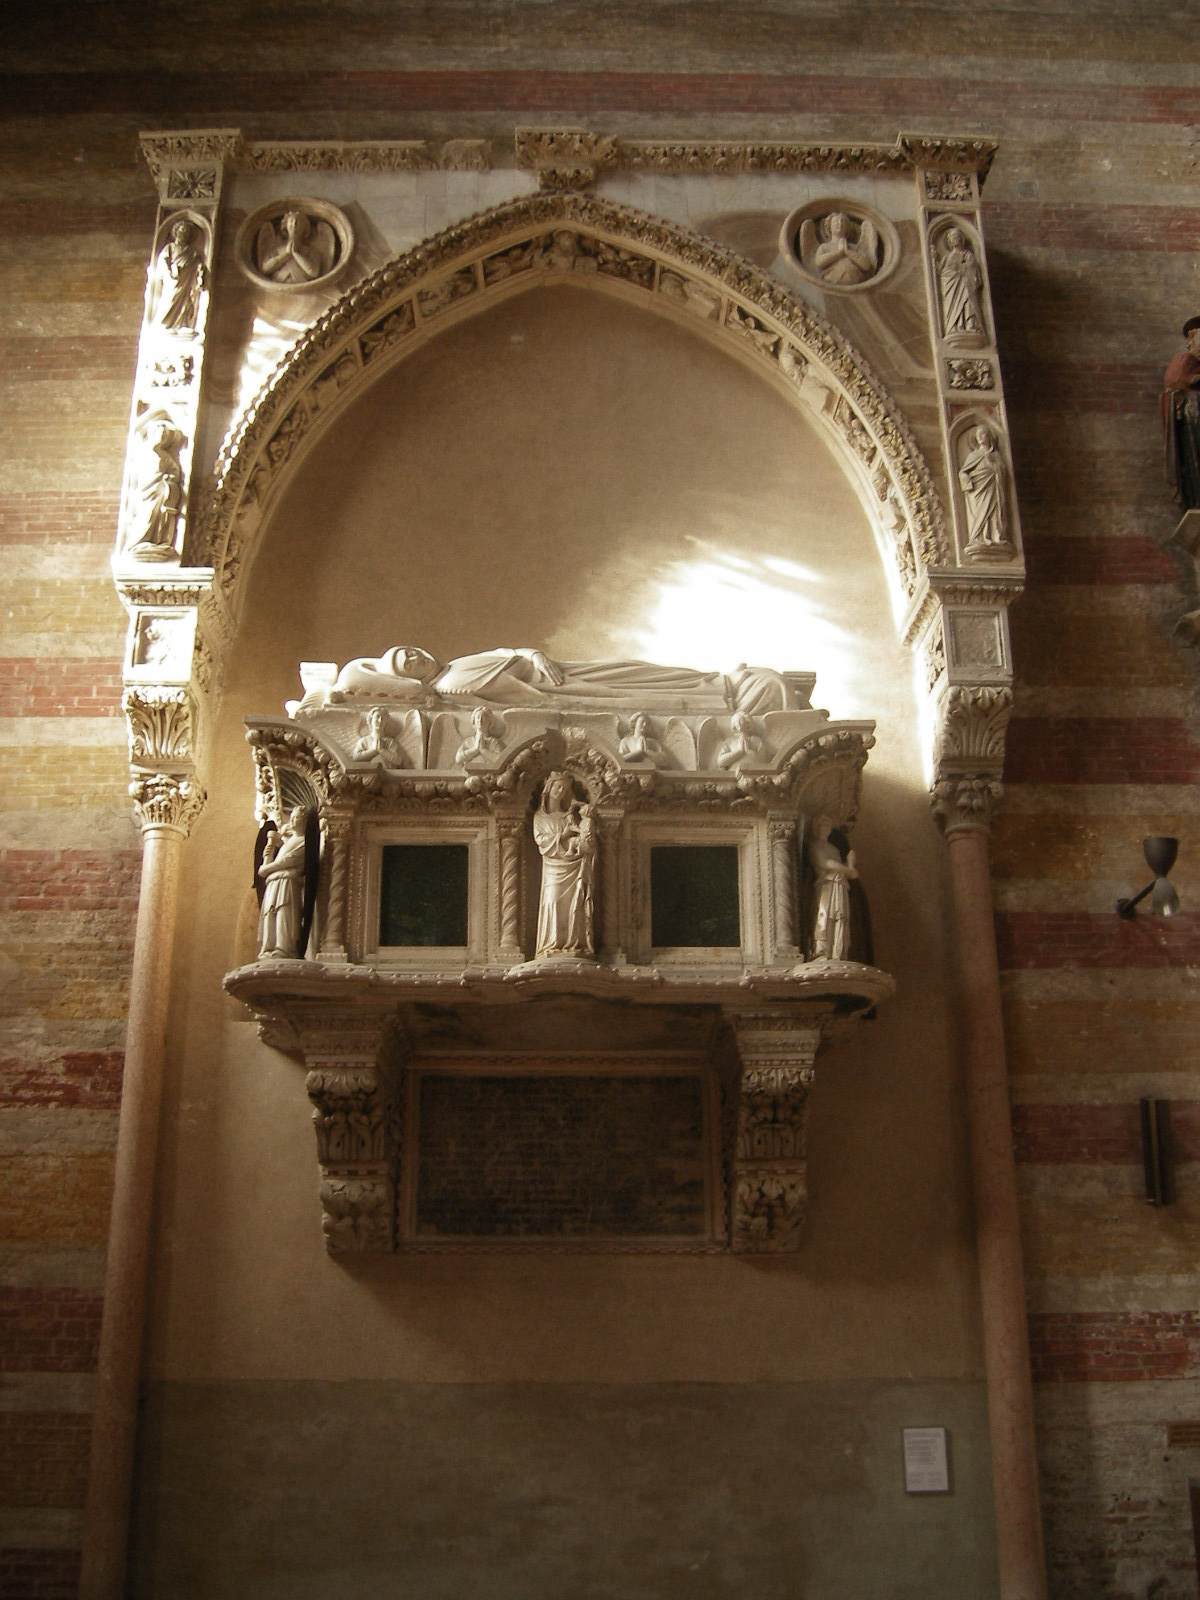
184	600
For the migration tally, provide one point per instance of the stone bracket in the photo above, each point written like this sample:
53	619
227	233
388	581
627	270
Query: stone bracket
777	1050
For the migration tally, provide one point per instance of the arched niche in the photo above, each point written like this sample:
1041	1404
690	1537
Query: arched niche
574	241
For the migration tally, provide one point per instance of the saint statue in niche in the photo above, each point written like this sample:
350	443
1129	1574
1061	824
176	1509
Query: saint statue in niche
959	285
180	279
831	917
296	248
281	914
160	497
838	253
1181	417
565	833
983	480
512	676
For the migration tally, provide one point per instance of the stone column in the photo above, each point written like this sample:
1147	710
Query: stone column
964	795
166	808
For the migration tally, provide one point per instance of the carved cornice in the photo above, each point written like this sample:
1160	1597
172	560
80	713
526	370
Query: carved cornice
163	800
586	154
969	755
189	148
167	152
369	328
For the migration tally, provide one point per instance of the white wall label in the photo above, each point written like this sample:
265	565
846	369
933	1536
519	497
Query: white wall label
926	1463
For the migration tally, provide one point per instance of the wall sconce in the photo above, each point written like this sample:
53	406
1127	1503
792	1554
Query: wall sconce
1160	858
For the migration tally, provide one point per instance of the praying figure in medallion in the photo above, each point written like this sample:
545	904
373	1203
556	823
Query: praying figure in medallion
835	251
959	284
832	874
564	831
280	916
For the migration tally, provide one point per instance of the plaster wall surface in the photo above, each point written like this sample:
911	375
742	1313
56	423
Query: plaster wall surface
1092	232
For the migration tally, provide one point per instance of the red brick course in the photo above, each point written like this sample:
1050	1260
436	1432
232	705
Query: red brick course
1098	1133
961	101
1091	560
1114	1346
69	880
39	1574
1101	750
43	1458
1028	939
86	1080
49	1330
58	517
79	686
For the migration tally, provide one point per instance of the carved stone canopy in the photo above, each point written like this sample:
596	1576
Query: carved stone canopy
581	796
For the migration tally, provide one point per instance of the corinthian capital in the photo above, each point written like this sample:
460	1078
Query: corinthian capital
165	800
969	754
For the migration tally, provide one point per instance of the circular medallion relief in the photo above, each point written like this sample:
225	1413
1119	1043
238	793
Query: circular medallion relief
294	244
839	245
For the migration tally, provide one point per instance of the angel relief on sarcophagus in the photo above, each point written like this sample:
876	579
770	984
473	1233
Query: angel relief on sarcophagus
511	900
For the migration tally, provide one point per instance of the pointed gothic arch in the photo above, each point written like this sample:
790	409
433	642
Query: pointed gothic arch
613	249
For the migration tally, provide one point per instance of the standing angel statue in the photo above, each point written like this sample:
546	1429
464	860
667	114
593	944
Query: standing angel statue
281	914
831	920
564	831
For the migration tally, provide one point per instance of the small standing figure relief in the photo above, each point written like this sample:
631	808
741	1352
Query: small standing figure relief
831	919
180	279
835	252
282	870
959	285
295	249
983	479
564	831
639	744
160	497
1181	417
481	744
743	744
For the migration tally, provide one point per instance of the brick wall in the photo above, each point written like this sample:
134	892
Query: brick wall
1093	225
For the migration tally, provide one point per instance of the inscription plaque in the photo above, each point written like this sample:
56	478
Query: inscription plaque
562	1156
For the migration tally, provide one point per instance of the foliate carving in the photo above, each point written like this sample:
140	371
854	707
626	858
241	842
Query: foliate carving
564	148
934	655
170	152
954	186
259	445
192	183
357	1213
370	156
962	373
350	1114
162	800
969	755
161	726
972	723
770	1178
